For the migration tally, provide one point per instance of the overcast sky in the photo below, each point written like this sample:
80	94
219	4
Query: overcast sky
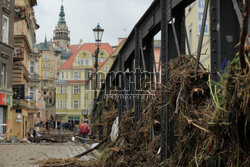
117	17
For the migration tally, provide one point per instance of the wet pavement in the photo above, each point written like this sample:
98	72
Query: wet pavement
27	155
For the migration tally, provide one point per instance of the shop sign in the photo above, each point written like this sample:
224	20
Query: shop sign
28	97
19	118
4	99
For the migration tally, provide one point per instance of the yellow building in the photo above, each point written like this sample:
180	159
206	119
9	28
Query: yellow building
49	65
194	14
103	70
25	64
74	75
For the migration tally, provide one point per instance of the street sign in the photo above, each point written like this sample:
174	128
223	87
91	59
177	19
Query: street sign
28	97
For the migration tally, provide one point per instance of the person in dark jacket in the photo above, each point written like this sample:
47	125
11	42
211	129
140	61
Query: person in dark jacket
34	133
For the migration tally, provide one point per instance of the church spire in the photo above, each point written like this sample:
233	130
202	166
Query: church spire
62	33
62	16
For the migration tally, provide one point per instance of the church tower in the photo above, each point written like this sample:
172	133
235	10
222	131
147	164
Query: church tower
61	33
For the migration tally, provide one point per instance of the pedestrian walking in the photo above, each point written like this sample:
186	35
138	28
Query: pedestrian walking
58	127
83	131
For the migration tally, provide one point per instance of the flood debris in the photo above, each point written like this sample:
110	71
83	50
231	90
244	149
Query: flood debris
53	138
208	122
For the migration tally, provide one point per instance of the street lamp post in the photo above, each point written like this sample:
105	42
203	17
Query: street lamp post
98	32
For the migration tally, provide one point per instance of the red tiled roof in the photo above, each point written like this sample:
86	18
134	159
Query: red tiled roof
100	64
91	47
73	48
81	81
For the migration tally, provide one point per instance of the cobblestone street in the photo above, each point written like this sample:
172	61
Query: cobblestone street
26	155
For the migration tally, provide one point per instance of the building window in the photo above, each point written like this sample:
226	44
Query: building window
50	101
5	30
61	104
101	60
76	75
89	74
38	115
86	62
66	90
50	94
44	92
37	68
62	75
74	119
32	67
3	76
76	90
102	81
106	68
81	62
45	83
32	93
65	104
76	104
61	90
190	37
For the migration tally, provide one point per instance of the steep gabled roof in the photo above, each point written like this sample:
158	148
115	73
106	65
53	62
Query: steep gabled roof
73	48
90	47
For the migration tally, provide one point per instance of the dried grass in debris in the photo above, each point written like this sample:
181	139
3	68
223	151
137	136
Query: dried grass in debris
209	122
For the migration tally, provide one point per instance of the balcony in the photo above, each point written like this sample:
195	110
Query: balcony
21	103
18	54
34	77
35	55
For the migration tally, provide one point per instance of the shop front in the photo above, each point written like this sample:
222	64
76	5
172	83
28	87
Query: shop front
4	114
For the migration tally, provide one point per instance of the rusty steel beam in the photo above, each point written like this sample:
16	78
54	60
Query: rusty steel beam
137	56
164	78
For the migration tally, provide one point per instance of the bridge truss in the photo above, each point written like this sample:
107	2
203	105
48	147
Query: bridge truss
168	16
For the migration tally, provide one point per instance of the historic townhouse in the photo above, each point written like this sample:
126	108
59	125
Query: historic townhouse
25	69
74	75
49	64
102	72
6	50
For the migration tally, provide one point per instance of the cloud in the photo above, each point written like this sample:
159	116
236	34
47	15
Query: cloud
83	15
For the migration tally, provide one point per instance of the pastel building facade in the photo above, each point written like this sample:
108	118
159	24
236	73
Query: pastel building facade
74	75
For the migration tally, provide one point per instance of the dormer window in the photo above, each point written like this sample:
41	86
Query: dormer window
86	62
83	62
101	60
